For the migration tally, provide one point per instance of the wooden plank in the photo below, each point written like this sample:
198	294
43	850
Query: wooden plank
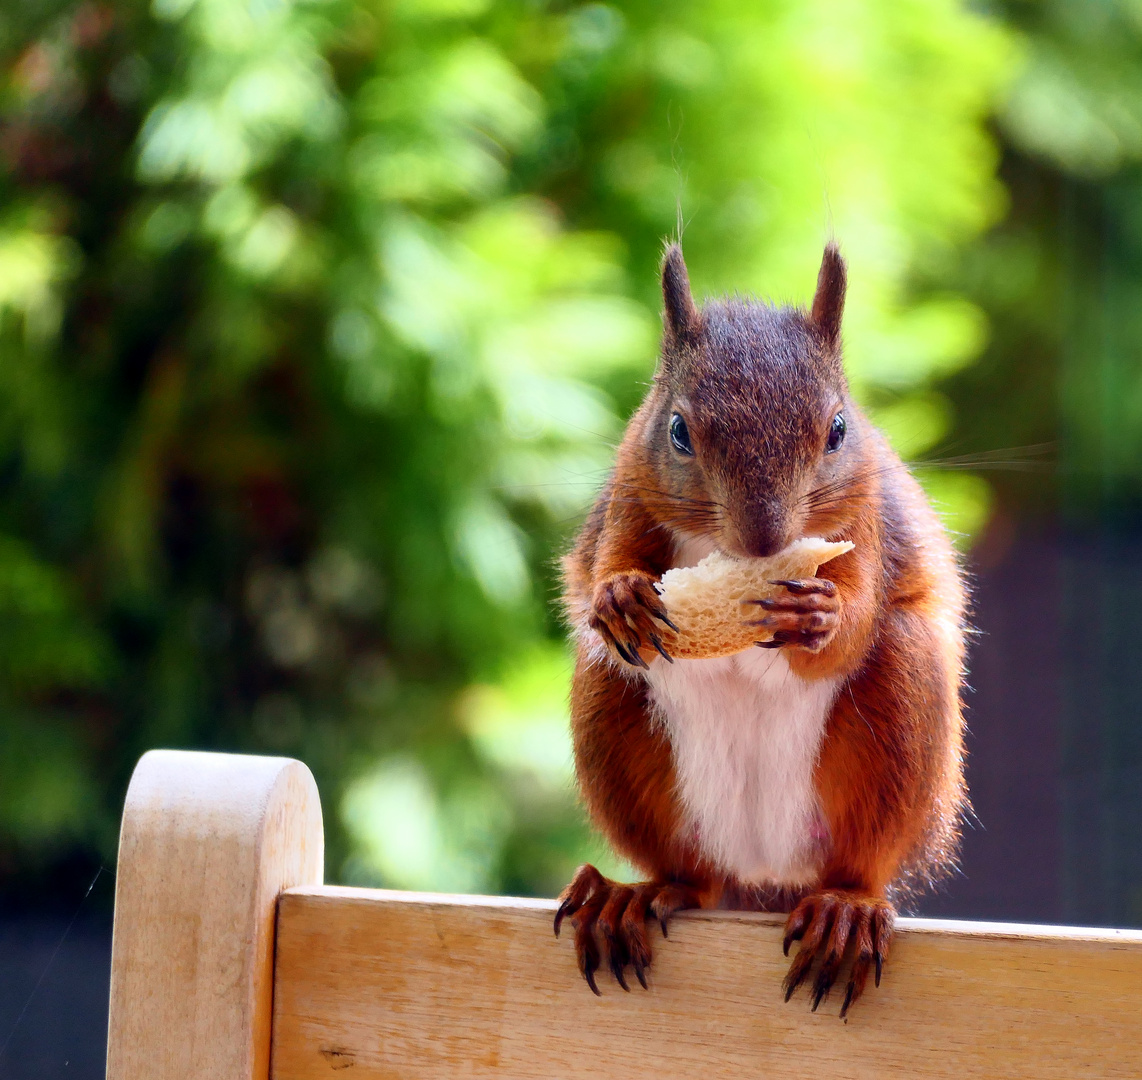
408	985
208	842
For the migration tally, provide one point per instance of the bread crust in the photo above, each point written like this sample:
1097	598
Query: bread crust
710	602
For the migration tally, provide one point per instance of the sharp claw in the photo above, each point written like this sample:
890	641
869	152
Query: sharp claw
624	654
656	641
768	603
825	979
636	658
617	959
559	914
617	971
658	611
800	588
786	943
791	986
662	923
589	975
640	974
878	966
773	643
797	975
848	999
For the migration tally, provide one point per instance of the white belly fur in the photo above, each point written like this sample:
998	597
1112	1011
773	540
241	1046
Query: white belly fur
746	733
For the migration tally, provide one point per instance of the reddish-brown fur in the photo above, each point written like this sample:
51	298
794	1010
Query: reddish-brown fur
759	387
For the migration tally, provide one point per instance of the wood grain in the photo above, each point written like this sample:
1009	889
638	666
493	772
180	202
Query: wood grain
406	985
208	842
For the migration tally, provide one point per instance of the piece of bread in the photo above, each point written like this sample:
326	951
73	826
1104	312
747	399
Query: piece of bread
707	602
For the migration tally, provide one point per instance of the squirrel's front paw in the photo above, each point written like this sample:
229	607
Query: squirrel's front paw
806	617
625	613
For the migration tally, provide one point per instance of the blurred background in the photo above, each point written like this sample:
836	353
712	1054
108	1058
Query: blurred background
319	320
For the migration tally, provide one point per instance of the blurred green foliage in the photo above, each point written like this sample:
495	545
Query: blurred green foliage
318	321
1060	278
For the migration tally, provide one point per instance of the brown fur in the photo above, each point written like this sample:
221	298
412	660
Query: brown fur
758	387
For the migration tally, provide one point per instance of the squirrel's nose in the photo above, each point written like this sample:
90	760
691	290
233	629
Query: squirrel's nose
762	548
764	532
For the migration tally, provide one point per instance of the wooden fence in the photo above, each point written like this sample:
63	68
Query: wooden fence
231	960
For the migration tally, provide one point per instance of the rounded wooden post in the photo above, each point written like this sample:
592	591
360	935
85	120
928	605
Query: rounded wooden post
208	842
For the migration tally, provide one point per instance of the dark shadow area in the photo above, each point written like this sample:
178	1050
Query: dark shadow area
62	1034
1010	867
1054	763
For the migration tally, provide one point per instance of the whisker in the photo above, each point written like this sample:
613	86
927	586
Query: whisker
671	496
1003	456
977	466
848	483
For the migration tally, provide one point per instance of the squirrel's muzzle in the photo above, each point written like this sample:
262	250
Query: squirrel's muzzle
763	530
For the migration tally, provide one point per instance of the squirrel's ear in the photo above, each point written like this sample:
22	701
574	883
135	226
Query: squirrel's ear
829	300
682	318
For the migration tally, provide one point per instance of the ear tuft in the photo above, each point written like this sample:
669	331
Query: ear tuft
682	318
829	300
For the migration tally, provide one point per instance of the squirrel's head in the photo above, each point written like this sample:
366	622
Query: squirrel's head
749	427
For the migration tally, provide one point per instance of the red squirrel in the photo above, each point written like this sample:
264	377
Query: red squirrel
822	774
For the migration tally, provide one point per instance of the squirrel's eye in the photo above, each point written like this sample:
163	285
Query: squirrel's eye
836	434
680	436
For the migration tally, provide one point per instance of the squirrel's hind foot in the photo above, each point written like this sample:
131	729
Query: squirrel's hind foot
825	923
618	914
